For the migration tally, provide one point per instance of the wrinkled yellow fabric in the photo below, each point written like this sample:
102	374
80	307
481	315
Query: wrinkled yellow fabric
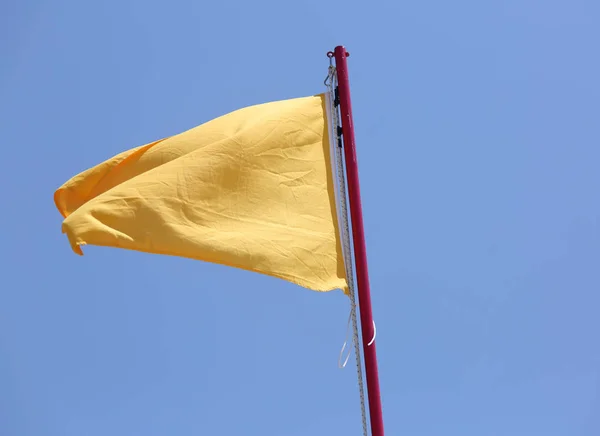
252	189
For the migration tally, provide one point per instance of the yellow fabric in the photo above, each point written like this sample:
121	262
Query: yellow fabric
252	189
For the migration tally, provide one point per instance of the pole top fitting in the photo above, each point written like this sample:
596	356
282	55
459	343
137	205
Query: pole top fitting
342	49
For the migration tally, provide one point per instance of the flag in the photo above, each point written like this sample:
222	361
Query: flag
253	189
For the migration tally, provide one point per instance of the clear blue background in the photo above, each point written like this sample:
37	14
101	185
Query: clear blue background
479	145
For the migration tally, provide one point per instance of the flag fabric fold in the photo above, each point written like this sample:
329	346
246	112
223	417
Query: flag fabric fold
252	189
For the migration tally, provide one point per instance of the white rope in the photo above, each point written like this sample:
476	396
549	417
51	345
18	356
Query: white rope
340	364
332	84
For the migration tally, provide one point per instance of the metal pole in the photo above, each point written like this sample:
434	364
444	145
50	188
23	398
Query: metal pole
360	250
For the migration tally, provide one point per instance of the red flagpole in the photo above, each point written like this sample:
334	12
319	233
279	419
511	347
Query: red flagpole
360	249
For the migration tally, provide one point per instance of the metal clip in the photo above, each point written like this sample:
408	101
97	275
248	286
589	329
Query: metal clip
331	70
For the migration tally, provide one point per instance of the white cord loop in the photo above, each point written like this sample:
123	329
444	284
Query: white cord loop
374	334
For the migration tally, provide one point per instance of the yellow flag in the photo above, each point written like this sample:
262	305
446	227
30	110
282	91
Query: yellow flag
252	189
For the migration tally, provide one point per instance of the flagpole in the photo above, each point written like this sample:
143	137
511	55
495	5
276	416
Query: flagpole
360	250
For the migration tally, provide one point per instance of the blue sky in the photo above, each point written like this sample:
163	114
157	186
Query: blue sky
479	145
